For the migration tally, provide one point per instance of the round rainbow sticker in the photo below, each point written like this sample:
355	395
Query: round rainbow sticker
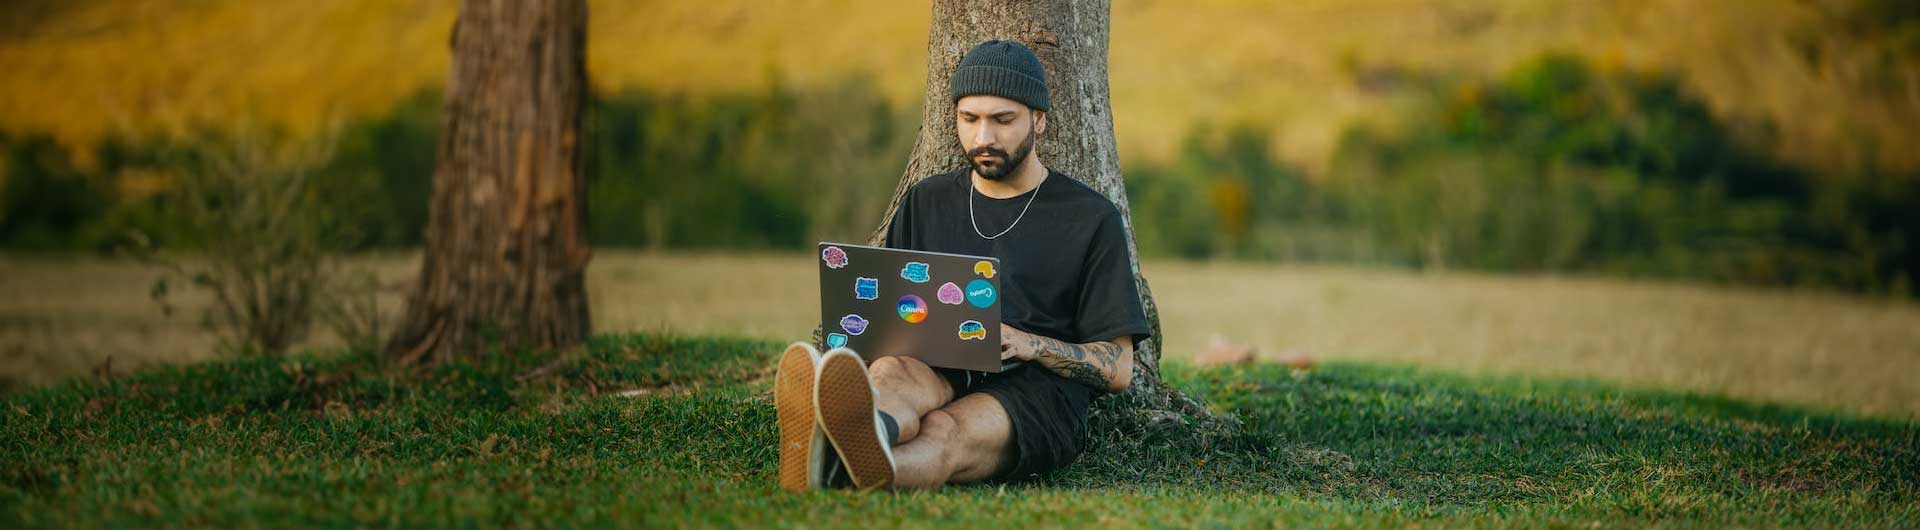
912	309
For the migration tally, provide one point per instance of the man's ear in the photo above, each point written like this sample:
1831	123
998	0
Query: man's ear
1039	121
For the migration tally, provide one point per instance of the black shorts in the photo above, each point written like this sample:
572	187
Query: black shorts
1049	415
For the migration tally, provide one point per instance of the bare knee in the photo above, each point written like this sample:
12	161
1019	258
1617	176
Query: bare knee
897	367
885	367
902	366
907	372
938	425
891	372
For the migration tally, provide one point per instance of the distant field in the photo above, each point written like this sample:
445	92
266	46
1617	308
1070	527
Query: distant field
59	317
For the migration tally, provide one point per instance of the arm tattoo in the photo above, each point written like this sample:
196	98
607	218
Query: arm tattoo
1092	364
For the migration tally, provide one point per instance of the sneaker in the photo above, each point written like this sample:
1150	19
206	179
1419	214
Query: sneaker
803	445
844	401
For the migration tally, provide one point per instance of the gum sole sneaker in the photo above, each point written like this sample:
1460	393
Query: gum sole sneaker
803	446
844	400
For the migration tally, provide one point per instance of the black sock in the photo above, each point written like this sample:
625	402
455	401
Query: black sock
893	427
835	475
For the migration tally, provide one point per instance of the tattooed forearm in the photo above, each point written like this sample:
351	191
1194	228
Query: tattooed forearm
1093	364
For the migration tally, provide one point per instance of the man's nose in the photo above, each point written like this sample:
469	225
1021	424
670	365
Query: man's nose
983	136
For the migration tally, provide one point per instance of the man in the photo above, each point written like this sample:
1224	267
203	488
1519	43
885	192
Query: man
1071	310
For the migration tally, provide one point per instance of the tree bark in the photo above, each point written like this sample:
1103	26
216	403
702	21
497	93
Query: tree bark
1070	37
506	250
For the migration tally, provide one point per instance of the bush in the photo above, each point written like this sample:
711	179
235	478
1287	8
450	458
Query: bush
1555	166
779	169
265	239
1560	167
46	199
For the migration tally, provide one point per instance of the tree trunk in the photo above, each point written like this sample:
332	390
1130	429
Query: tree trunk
1070	36
506	250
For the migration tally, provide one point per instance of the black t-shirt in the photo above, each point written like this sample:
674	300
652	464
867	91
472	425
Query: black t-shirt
1065	264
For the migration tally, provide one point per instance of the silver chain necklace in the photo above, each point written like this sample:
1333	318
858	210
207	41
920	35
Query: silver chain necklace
1016	220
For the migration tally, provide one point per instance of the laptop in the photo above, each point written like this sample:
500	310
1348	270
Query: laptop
943	309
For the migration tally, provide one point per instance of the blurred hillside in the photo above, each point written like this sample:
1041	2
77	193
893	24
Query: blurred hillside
1764	142
1827	84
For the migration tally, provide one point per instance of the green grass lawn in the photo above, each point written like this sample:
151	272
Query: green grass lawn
648	431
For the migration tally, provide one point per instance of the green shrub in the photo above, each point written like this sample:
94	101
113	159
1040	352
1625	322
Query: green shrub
779	169
1554	166
1560	167
265	240
45	197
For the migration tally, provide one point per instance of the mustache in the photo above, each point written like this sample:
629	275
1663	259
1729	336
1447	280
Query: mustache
993	151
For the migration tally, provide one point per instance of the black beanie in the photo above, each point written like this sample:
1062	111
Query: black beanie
1002	68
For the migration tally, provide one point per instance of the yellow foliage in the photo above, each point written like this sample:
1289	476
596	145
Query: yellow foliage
139	184
103	65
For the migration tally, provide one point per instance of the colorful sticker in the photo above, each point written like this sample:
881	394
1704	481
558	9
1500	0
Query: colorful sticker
834	257
972	330
836	340
854	324
915	272
983	268
950	294
912	309
866	288
980	293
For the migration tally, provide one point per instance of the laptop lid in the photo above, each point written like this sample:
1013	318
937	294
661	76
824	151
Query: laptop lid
943	309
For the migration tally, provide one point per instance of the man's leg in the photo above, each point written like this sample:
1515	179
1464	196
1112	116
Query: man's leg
966	441
866	410
907	389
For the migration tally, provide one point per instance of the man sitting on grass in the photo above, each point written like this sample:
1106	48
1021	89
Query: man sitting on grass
1071	309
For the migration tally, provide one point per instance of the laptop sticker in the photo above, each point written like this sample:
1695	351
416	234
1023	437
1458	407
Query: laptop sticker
983	268
836	340
972	330
950	294
834	257
913	309
866	288
854	324
980	293
915	272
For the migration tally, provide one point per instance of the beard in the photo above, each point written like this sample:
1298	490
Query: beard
1000	166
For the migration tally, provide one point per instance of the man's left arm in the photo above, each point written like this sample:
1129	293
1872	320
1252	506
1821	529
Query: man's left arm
1103	365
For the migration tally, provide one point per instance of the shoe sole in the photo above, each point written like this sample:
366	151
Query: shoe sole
845	404
793	403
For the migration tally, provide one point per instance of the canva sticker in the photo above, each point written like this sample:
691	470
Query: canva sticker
983	268
972	330
854	324
866	288
915	272
836	340
980	293
913	309
834	257
950	294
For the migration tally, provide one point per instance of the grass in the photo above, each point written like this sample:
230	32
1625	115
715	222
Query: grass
60	317
653	430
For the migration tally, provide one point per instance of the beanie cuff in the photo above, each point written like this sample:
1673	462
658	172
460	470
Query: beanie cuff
976	79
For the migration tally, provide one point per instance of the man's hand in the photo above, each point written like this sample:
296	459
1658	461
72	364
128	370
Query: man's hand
1017	345
1103	365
